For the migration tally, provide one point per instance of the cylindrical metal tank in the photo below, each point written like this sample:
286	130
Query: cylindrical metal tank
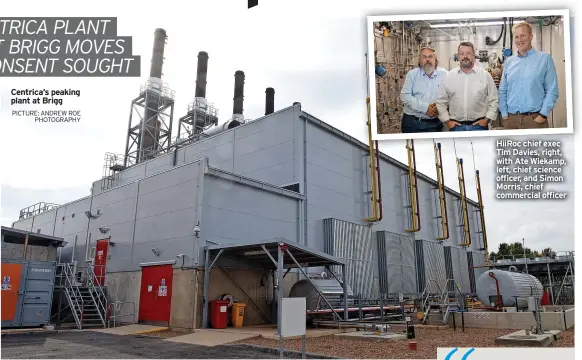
511	285
328	287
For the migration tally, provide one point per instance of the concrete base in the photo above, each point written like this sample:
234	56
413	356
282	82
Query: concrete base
519	338
134	329
373	335
270	332
211	337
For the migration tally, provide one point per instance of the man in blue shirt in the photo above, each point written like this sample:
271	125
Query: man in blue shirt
529	86
419	94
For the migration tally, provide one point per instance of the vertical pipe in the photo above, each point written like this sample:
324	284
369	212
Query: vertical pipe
239	84
280	297
201	73
25	245
206	286
372	171
442	193
412	178
482	216
465	213
380	210
269	101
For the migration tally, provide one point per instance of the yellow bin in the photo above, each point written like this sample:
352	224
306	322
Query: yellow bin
238	314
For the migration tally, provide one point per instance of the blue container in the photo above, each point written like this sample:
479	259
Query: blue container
380	70
507	52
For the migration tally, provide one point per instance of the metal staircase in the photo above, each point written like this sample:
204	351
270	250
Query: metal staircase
86	297
442	303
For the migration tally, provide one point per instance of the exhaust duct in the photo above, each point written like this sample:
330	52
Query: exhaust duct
237	107
269	101
201	72
160	37
151	131
239	87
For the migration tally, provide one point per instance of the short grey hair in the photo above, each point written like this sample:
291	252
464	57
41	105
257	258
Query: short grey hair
468	44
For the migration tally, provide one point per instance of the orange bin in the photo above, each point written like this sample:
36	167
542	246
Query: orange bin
238	314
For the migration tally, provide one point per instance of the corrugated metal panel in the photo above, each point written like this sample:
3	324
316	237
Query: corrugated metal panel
353	243
420	268
449	266
464	268
471	271
478	260
434	264
398	274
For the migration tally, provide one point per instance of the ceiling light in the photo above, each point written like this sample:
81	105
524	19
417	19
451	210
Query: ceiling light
463	24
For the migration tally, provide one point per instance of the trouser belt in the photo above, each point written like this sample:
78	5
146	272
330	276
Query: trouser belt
467	122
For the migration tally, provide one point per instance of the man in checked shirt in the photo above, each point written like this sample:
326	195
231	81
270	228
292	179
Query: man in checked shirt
529	86
468	100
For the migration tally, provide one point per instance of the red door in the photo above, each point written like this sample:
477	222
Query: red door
101	260
10	286
156	293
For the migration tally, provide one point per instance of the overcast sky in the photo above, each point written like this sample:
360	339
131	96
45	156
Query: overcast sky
317	59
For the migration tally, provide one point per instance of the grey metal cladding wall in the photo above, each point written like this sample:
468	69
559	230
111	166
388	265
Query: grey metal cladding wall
235	213
336	182
400	274
266	149
478	260
434	264
353	243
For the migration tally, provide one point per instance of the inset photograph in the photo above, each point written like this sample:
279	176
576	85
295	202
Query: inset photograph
470	74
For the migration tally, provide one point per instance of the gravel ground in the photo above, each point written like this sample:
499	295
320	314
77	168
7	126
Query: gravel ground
428	340
94	345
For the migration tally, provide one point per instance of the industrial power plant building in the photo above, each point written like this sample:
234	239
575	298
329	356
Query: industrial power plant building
287	177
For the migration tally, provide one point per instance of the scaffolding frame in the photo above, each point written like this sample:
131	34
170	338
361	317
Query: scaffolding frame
151	116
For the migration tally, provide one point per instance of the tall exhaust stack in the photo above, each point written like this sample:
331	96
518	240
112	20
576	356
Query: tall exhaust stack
201	72
269	101
158	53
239	88
151	131
151	116
237	107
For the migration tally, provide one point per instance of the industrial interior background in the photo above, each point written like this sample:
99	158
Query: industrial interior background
398	43
287	175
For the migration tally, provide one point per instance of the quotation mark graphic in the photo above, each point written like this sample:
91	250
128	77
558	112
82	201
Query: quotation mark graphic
452	352
253	3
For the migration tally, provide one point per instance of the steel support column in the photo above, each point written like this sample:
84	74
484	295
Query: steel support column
344	287
550	281
207	267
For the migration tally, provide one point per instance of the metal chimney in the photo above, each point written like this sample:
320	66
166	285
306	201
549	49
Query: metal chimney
239	87
269	101
158	53
201	72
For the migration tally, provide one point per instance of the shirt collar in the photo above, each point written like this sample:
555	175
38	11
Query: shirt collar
530	52
434	73
473	69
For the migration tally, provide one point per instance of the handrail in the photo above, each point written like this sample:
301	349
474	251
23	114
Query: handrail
73	294
101	306
113	315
